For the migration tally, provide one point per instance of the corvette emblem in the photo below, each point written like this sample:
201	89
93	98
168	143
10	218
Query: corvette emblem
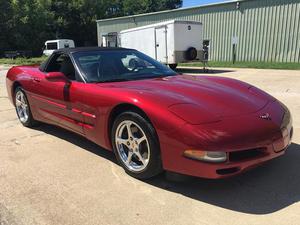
265	116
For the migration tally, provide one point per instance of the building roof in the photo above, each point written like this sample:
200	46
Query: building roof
161	24
172	10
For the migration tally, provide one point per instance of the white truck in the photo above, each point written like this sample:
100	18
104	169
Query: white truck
52	45
169	42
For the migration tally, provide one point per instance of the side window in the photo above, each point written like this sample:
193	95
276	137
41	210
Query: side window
62	63
52	46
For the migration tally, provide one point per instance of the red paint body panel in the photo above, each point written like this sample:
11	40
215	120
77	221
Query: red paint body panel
187	112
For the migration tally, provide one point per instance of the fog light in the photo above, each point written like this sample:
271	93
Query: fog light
207	156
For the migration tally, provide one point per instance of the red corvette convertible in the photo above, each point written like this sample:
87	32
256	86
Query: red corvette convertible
152	118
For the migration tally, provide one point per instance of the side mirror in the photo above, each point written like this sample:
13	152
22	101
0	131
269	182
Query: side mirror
57	76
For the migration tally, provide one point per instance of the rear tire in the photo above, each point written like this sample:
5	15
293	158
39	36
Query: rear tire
23	108
136	145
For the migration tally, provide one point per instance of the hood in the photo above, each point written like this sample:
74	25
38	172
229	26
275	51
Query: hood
221	96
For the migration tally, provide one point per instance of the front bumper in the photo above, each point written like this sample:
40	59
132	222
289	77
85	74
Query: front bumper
234	166
248	141
229	168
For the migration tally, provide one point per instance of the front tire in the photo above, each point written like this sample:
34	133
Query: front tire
136	145
23	108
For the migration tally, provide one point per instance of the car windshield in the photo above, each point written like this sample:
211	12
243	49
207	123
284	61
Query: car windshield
115	65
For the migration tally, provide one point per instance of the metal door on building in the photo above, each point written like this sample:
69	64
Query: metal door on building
161	44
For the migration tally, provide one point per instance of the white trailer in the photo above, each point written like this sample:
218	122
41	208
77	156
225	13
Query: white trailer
170	42
52	45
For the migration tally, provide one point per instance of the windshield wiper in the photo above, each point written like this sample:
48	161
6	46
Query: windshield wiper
133	78
156	76
114	80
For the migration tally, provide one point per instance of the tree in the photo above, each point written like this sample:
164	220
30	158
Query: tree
5	25
131	7
27	24
32	20
77	19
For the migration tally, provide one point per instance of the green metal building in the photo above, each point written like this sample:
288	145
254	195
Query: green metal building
263	30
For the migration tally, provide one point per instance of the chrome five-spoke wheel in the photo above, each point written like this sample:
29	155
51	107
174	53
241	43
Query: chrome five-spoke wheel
136	145
22	106
132	146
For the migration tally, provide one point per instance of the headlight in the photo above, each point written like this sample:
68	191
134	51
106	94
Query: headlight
261	94
287	118
287	121
207	156
194	114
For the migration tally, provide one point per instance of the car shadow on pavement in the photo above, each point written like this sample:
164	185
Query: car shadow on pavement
76	140
266	189
183	70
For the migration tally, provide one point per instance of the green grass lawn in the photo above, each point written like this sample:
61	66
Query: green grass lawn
256	65
23	61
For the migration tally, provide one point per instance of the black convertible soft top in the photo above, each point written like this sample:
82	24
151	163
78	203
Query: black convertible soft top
69	51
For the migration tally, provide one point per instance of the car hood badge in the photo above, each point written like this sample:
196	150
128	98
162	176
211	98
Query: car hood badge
265	116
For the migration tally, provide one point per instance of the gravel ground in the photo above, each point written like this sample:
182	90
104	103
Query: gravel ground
51	176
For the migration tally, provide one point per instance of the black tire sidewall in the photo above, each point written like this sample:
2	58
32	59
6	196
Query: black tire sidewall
154	166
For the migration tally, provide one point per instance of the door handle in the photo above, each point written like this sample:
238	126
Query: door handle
35	79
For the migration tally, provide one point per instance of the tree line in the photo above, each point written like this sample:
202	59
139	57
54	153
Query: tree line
27	24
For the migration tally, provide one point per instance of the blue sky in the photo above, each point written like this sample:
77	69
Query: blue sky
189	3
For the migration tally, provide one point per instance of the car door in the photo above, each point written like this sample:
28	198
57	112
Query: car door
52	98
161	44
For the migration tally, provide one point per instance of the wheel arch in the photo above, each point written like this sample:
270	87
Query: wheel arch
15	85
123	107
156	167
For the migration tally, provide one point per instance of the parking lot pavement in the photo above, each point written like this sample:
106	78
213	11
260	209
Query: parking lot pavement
51	176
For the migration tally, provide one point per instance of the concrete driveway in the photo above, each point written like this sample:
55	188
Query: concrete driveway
51	176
